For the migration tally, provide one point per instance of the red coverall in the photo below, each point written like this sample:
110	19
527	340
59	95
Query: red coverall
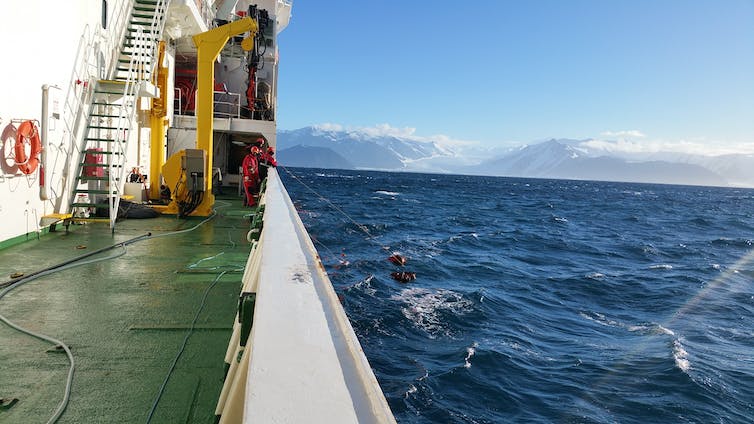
265	161
250	178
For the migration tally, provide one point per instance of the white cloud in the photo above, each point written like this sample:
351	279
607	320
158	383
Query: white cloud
615	142
387	130
624	134
701	147
327	126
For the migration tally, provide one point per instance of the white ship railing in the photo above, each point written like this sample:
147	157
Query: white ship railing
227	104
302	362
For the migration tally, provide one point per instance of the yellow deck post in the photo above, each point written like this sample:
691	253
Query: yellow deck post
158	125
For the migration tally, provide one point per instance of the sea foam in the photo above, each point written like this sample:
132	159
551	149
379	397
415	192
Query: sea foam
424	308
680	356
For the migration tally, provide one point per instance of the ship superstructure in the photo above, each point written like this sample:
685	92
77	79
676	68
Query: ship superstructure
163	102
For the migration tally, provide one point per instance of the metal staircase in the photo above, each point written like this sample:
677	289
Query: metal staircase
103	147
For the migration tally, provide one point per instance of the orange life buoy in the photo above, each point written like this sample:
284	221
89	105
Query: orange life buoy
27	133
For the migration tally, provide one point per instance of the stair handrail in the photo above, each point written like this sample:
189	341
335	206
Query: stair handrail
141	66
126	113
97	58
76	109
155	29
118	32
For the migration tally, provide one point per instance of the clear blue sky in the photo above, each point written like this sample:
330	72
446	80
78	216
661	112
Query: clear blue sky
498	71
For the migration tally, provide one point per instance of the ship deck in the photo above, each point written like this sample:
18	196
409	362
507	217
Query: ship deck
125	320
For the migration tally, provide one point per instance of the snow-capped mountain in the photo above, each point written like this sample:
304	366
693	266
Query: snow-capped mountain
368	151
569	159
555	158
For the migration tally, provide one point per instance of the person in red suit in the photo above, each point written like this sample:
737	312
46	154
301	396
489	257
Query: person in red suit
250	167
266	160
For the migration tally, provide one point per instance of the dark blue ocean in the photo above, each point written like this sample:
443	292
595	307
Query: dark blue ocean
543	300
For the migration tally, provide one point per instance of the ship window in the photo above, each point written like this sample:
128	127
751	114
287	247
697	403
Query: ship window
104	14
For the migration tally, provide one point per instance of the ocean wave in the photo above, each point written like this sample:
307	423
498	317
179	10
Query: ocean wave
640	300
364	286
680	356
700	222
679	353
470	351
346	177
734	242
427	309
600	319
650	328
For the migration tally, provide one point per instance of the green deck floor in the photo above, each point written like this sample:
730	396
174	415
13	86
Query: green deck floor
125	320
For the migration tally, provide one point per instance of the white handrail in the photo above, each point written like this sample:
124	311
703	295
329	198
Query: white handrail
134	78
119	28
76	108
231	105
97	58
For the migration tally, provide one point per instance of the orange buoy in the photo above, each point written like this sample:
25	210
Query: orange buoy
27	133
404	276
397	259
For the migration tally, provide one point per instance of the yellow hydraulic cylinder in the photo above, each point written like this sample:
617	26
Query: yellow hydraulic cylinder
158	123
208	45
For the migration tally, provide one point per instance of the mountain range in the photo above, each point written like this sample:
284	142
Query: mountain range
317	147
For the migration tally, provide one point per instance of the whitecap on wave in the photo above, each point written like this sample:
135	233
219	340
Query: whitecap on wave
460	236
387	193
321	175
424	308
644	328
470	351
364	285
651	328
600	319
661	266
680	356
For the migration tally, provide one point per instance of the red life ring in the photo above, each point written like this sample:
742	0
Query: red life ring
27	133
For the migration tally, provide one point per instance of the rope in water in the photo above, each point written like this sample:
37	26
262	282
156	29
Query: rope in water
362	227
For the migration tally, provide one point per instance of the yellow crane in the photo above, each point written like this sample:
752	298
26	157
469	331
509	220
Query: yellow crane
189	172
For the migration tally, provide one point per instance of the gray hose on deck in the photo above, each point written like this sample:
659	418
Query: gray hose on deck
69	381
8	286
61	265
